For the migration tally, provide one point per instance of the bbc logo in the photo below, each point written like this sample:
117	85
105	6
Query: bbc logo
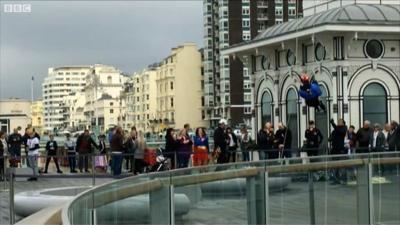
17	8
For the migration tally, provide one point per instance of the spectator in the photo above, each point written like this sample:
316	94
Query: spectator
394	137
33	153
386	133
220	146
245	144
117	148
350	140
171	146
378	139
364	138
314	139
283	137
84	147
337	138
131	146
70	146
36	134
184	149
265	142
101	159
51	151
231	141
201	148
3	152
14	147
139	153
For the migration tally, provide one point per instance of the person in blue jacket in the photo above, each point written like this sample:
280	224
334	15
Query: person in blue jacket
310	91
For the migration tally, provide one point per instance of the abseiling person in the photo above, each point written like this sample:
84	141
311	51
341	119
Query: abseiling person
310	91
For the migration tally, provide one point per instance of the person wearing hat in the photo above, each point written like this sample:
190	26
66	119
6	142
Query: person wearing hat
310	91
220	144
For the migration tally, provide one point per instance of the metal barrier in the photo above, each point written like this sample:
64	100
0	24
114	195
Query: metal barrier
257	193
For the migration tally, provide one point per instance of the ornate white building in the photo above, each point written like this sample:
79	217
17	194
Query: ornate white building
354	54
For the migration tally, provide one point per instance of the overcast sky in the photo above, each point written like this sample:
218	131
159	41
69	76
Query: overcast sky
128	34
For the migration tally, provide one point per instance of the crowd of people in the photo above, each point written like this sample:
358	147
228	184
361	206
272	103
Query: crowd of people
181	148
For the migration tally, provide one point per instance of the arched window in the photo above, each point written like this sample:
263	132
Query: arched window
291	116
266	108
109	79
321	118
375	104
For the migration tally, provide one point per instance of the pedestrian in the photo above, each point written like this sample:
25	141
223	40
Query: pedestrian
314	139
350	140
184	149
117	149
220	146
3	153
386	132
337	139
131	147
265	143
232	143
100	160
14	147
171	146
139	153
378	139
70	146
394	137
364	137
51	152
33	154
245	144
201	148
283	138
84	147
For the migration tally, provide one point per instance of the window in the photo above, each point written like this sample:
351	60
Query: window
111	103
171	84
246	23
172	102
374	49
266	108
290	58
147	97
111	110
320	52
109	79
291	116
375	104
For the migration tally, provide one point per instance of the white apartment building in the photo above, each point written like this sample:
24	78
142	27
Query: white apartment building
104	107
74	118
141	100
58	84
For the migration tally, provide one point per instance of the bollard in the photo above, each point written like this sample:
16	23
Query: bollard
11	187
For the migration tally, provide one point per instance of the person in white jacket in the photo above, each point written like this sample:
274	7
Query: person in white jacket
33	153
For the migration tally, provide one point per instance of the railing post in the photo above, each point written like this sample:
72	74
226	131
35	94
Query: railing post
257	199
93	170
11	188
311	197
5	172
365	205
162	209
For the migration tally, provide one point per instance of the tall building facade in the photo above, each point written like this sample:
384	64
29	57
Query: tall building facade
104	106
179	88
58	84
227	84
141	100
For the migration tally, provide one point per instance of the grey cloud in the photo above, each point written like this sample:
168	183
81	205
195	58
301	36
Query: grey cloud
126	34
